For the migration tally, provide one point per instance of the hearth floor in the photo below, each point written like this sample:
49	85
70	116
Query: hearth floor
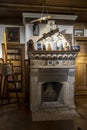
55	115
12	118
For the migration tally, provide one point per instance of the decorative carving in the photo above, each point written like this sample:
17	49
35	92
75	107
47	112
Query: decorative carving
52	58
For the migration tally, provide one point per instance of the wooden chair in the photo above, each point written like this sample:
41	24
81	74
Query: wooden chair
6	71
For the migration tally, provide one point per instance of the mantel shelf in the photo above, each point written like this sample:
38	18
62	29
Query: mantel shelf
53	52
52	67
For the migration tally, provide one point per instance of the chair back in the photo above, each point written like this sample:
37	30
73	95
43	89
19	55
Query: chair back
6	69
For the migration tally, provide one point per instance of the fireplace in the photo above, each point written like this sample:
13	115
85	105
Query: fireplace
52	91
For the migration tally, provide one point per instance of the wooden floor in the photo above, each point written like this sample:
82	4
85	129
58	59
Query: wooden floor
11	118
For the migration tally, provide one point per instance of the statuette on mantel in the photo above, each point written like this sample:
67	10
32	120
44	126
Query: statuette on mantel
30	45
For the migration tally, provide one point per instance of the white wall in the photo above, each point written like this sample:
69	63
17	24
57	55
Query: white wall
43	28
29	34
85	32
26	33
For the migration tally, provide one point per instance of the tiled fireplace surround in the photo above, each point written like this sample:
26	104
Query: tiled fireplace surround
64	106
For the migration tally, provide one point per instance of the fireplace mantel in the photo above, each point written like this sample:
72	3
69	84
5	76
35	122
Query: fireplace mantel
40	54
52	58
52	66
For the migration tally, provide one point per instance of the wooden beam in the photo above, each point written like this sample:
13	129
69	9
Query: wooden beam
28	7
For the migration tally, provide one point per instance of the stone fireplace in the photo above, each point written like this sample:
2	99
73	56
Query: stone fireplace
52	91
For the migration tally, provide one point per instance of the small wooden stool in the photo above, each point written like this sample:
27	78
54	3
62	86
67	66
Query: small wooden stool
6	71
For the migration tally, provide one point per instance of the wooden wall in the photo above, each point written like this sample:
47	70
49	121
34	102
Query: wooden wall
81	67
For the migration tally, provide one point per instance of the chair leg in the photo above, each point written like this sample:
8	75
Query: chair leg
5	90
1	78
0	86
16	91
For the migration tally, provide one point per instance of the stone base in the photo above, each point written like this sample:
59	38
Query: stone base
54	115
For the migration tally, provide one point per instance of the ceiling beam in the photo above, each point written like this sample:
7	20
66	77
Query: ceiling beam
39	7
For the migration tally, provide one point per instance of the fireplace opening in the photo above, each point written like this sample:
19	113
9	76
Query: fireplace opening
50	91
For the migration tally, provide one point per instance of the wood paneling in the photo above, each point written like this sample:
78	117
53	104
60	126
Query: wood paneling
81	66
67	3
22	1
81	76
